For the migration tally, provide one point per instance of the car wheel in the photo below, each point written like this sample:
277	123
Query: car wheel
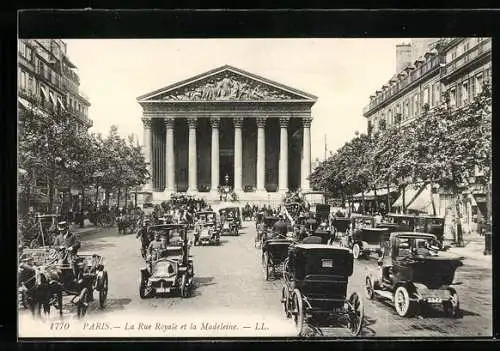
452	306
356	251
102	287
369	288
142	290
402	303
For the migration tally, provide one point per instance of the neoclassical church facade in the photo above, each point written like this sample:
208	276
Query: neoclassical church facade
227	126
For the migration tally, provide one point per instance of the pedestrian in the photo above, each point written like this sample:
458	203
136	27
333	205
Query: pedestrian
69	242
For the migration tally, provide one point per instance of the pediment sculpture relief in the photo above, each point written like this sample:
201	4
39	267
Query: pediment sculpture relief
227	87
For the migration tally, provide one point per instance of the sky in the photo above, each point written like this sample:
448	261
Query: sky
342	73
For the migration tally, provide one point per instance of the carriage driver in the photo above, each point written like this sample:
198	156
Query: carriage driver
70	242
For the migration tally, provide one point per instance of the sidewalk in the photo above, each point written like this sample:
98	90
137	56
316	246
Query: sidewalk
473	249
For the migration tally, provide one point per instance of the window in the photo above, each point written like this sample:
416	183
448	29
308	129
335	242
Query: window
453	97
436	94
465	93
416	106
479	84
406	109
466	46
426	96
23	81
31	86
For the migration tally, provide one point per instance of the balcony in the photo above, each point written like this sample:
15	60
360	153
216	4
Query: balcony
412	77
482	48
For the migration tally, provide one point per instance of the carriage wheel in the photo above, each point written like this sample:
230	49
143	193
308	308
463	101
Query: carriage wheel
356	251
402	303
285	300
298	312
102	286
369	288
266	258
356	313
83	303
452	306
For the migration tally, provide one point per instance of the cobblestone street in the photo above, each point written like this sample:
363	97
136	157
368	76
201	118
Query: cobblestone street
229	281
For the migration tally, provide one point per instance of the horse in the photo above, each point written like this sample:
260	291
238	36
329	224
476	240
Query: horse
39	289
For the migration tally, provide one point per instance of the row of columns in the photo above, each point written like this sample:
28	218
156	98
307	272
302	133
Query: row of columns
238	155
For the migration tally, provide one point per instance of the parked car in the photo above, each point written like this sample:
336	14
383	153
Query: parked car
414	273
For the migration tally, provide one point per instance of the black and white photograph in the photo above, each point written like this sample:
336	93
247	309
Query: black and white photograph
254	187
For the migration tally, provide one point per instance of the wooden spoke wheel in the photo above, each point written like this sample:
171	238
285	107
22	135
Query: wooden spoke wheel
298	312
402	303
102	287
356	251
369	287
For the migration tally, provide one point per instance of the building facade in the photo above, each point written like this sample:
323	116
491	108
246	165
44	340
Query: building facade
458	66
47	85
48	81
227	126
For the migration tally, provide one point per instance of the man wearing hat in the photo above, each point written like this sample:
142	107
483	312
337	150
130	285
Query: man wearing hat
145	236
70	242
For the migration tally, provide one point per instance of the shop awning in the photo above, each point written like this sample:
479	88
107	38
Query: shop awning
44	92
370	195
61	103
410	193
31	107
423	203
53	98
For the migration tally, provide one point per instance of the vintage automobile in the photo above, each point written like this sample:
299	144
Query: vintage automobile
169	269
229	221
366	241
209	233
267	226
315	288
274	253
412	223
54	276
234	213
414	274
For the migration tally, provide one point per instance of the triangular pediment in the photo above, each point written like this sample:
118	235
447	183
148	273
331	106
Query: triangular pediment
227	84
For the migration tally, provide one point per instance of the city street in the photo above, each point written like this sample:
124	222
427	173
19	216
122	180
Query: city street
229	280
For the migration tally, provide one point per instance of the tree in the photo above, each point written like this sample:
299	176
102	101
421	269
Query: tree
46	145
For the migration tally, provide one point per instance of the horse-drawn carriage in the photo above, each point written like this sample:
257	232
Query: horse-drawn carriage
415	274
267	225
208	232
48	273
230	220
315	288
169	268
274	254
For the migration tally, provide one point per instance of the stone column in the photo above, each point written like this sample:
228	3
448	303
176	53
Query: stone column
170	158
238	154
306	153
192	183
261	154
147	152
283	163
215	122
